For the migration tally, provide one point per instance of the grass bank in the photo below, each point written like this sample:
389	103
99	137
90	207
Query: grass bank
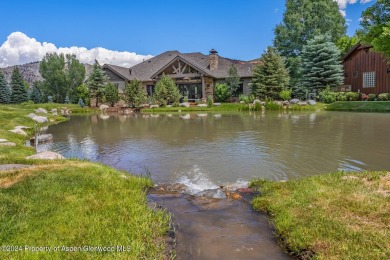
72	203
331	216
360	106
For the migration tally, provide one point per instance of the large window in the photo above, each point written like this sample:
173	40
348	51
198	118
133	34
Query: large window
150	90
369	79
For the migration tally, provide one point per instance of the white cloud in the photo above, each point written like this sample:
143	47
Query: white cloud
20	49
343	4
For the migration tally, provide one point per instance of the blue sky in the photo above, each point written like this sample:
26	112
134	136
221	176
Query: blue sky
239	29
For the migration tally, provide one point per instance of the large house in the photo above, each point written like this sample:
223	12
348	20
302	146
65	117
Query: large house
366	71
195	74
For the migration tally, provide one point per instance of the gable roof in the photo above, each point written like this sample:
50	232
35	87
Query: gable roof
146	70
354	48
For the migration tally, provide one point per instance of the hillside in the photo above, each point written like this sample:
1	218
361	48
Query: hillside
30	71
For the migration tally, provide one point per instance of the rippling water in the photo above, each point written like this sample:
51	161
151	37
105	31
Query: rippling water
213	149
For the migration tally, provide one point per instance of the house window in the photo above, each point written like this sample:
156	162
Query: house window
238	91
346	75
369	79
150	90
355	74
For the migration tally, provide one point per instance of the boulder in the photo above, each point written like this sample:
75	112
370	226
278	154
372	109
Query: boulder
242	102
31	115
7	144
43	138
54	110
3	140
154	106
55	114
202	105
185	104
18	131
46	156
312	102
256	101
103	108
213	193
285	103
217	104
302	103
40	119
41	110
294	101
233	195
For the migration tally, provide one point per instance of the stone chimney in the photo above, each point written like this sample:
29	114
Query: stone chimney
213	59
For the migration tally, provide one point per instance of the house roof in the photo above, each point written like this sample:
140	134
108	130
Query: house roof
354	48
146	70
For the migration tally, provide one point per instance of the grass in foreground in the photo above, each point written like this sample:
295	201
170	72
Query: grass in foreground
332	216
72	203
360	106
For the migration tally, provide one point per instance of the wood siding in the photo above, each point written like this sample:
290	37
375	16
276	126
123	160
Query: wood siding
361	60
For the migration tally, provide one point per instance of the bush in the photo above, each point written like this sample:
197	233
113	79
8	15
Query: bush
210	101
371	97
352	96
285	94
271	105
328	96
384	96
167	91
247	98
341	96
222	92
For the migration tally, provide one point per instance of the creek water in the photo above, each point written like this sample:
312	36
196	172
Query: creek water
207	150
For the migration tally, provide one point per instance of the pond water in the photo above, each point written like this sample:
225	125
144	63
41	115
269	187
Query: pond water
215	149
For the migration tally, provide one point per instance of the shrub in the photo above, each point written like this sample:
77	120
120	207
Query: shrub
384	96
222	92
81	102
210	101
328	96
371	97
341	96
352	96
167	91
247	98
271	105
285	94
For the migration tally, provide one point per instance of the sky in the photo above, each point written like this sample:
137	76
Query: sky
126	32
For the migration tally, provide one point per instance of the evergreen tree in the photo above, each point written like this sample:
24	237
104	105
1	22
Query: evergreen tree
166	91
233	81
35	95
321	65
19	91
111	94
302	20
96	82
270	76
81	102
4	90
134	93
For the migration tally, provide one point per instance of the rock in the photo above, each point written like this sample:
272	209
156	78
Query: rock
233	195
242	102
217	104
18	131
40	119
44	128
294	101
43	138
103	108
169	105
185	104
302	103
6	167
202	105
7	144
312	102
154	106
55	114
256	101
31	115
3	140
245	190
285	103
54	110
21	127
214	194
46	156
52	120
41	110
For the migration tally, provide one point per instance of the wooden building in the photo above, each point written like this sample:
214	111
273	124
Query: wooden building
366	71
195	74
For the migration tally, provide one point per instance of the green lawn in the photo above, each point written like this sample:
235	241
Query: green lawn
72	203
360	106
331	216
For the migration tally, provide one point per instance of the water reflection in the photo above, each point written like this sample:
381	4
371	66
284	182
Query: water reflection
228	147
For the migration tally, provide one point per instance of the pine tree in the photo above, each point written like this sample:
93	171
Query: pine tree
4	90
97	82
270	76
233	80
166	91
19	91
111	93
35	95
134	93
321	65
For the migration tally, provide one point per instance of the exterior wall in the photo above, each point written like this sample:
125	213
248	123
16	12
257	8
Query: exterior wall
245	84
115	79
363	60
209	87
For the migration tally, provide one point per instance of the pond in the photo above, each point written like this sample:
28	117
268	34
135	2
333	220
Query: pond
209	149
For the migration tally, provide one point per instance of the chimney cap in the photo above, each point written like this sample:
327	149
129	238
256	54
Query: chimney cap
212	51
